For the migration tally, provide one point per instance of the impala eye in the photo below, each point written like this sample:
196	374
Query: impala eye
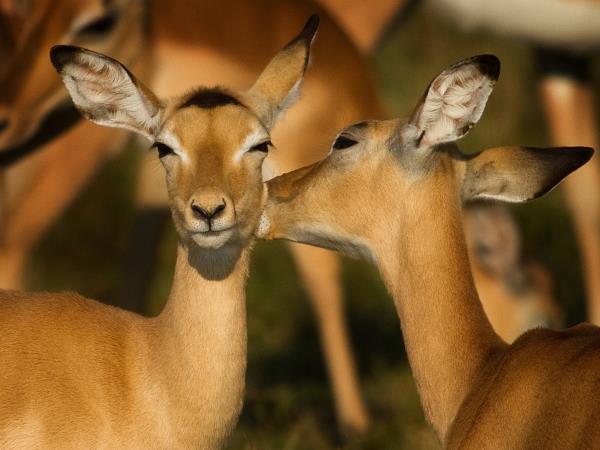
99	26
262	147
343	142
163	149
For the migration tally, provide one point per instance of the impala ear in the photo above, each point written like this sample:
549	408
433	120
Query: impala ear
454	101
105	92
278	86
518	174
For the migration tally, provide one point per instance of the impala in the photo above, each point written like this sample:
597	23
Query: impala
520	295
516	294
566	31
185	47
175	45
403	182
80	374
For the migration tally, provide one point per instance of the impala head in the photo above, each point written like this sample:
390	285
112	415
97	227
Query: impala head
380	174
32	100
211	141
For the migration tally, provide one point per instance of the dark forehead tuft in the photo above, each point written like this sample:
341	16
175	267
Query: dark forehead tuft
208	98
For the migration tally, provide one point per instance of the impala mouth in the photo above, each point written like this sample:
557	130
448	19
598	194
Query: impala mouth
213	238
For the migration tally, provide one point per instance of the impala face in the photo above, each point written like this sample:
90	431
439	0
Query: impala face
336	203
380	172
213	169
211	142
30	94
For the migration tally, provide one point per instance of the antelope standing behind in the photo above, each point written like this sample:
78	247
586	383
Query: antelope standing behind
516	293
81	374
404	181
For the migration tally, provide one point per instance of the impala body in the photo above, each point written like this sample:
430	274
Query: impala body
175	46
569	31
80	374
404	181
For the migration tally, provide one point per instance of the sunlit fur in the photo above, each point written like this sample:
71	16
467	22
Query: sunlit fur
402	203
173	47
217	167
80	374
186	47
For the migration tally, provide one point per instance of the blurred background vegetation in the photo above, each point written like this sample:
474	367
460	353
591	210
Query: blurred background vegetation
288	404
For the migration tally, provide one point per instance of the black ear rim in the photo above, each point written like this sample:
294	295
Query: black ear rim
307	35
488	65
310	28
61	55
582	155
574	158
561	160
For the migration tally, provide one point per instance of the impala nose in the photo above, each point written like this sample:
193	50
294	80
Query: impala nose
210	210
3	124
208	213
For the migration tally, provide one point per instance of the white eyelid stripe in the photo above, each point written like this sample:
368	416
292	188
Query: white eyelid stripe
172	141
255	137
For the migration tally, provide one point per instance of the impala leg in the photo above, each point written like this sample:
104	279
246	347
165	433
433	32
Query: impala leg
572	119
320	272
59	175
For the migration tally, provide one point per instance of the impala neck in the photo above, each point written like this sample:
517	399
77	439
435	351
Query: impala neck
203	329
425	266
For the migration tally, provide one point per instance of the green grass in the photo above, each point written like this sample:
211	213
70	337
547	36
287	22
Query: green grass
288	403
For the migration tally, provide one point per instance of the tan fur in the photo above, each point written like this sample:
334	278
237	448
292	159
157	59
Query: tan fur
477	391
80	374
196	50
189	46
510	312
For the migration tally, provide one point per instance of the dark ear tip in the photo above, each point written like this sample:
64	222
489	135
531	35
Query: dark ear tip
310	28
584	153
312	25
62	54
307	34
488	65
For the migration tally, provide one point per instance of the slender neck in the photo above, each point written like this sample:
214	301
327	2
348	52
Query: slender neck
203	335
448	338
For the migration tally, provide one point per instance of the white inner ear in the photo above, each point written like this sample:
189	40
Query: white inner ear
454	103
106	94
